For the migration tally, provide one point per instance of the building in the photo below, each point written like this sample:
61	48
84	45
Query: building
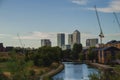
107	54
76	37
1	47
60	39
65	47
91	42
45	42
113	43
70	39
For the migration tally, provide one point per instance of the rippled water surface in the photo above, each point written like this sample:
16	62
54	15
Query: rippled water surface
75	71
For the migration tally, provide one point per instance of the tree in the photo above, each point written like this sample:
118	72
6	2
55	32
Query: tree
92	55
45	56
77	48
117	56
82	57
66	54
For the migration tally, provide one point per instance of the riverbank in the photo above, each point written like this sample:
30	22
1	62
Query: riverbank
101	66
52	72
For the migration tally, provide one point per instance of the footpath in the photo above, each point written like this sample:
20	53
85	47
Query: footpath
52	72
101	66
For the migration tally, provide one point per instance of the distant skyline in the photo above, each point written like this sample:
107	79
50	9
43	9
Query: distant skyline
34	20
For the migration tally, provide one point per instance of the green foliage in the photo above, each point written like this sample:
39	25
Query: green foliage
3	77
92	55
94	76
105	75
66	54
44	56
77	48
47	78
4	59
82	57
117	56
18	67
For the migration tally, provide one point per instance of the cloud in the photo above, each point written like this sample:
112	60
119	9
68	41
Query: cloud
37	35
5	35
88	35
114	35
113	6
33	38
80	2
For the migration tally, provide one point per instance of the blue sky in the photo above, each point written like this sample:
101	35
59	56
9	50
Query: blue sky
37	19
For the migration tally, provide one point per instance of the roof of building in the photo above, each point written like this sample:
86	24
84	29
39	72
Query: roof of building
113	42
110	48
77	31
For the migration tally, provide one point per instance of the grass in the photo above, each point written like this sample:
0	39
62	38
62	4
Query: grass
117	67
36	70
3	66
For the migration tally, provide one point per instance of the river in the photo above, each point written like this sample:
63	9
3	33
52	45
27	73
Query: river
75	71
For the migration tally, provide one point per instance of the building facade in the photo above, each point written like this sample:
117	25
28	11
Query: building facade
107	54
70	39
66	47
76	37
45	42
60	39
91	42
113	43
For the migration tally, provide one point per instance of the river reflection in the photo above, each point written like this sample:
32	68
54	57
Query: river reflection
75	71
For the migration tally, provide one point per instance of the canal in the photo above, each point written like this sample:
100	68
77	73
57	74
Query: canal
75	71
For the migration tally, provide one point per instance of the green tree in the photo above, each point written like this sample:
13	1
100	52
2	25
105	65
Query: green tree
82	57
117	56
45	56
66	54
92	54
77	48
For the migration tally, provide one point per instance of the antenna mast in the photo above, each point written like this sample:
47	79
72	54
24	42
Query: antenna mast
101	35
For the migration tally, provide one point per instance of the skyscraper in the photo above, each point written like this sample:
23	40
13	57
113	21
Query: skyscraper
70	39
45	42
76	37
91	42
60	39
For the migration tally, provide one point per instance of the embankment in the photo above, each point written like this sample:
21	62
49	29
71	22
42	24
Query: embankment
52	72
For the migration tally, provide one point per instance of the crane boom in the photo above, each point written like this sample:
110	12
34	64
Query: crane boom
20	40
116	19
98	18
101	35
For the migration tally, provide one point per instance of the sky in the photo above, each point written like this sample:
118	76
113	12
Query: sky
33	20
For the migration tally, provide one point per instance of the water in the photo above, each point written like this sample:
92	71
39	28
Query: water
75	71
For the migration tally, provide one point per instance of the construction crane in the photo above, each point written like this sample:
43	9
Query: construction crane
21	42
101	35
116	19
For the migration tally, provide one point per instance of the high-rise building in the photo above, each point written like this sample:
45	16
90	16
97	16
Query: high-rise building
65	47
60	39
76	37
45	42
70	39
91	42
